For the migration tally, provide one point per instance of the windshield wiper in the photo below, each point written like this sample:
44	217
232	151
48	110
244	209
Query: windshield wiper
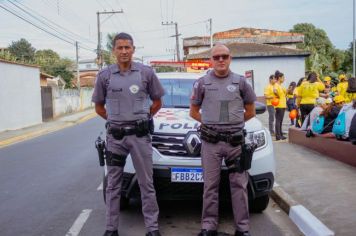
181	106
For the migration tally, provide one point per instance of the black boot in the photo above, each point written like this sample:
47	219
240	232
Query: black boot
238	233
205	232
153	233
111	233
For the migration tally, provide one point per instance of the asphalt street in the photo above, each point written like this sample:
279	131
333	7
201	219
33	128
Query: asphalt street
49	186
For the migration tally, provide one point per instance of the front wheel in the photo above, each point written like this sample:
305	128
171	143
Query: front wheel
259	204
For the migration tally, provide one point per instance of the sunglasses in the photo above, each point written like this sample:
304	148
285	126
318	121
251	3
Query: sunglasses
223	56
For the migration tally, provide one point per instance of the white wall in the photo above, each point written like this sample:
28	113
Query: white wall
292	67
20	96
66	101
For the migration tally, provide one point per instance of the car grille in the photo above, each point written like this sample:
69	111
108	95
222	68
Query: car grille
177	145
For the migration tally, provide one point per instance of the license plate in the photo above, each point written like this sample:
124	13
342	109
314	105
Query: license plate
187	175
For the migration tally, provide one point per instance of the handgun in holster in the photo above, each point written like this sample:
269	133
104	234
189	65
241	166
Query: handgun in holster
101	147
246	155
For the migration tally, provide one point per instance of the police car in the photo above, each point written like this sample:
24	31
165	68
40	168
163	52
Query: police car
176	151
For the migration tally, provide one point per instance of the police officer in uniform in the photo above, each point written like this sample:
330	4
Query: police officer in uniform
222	97
121	96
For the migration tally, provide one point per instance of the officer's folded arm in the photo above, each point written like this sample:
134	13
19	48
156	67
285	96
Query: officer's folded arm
194	112
100	110
250	111
156	105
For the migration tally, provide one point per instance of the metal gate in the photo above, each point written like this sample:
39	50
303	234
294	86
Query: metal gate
47	103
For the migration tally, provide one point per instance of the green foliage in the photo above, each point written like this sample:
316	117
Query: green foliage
348	57
110	38
324	58
165	69
64	68
22	50
49	60
108	57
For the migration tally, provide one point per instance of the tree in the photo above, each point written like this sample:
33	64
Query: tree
110	38
22	50
64	68
346	66
322	50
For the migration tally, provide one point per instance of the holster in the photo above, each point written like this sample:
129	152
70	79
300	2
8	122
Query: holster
246	155
113	159
100	146
142	128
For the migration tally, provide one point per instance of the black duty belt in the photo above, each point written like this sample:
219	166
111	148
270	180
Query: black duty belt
213	136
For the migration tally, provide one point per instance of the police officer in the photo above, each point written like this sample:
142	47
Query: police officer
121	96
222	97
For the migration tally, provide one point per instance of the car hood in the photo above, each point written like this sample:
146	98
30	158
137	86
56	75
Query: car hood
178	121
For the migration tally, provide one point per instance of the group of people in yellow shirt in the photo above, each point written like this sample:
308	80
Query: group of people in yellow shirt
303	96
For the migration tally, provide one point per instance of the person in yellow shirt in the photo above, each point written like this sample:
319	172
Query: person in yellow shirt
342	85
280	92
327	90
350	94
291	105
308	92
269	95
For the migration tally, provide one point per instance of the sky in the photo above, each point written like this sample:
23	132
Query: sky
67	21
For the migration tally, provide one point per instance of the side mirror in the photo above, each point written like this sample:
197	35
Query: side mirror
260	108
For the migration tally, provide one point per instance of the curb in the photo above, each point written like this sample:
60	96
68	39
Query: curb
37	133
307	223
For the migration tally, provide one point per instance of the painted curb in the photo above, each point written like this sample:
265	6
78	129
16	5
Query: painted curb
37	133
307	223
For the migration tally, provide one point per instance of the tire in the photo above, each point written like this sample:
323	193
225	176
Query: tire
259	204
124	201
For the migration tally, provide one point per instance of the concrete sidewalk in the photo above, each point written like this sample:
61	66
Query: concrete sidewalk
14	136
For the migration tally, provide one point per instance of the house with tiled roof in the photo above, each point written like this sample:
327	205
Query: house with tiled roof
259	50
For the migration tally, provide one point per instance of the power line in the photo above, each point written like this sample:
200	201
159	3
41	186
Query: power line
54	35
54	23
41	28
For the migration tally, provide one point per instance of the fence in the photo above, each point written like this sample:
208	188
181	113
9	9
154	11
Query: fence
67	101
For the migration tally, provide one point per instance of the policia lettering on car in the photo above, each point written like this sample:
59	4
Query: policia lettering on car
178	126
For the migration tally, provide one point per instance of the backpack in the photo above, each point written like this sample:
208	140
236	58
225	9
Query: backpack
342	123
318	124
339	127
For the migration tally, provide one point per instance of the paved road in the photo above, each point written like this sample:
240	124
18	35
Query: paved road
47	182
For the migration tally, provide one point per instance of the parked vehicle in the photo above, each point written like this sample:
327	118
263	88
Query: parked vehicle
176	151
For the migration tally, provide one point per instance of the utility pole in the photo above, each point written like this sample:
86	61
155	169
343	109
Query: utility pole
77	61
211	32
176	35
99	57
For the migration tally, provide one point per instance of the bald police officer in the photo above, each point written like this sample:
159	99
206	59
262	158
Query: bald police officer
121	96
222	97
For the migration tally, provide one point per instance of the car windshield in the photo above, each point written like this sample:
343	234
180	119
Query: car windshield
177	92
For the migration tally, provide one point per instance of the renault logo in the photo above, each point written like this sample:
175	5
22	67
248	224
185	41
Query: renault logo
192	143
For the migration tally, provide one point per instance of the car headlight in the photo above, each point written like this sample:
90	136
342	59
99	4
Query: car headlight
258	137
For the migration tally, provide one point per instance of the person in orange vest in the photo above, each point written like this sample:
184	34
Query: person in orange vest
280	92
269	95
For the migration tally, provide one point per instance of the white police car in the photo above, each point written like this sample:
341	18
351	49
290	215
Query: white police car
176	151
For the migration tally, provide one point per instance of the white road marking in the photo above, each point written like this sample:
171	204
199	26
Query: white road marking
79	223
100	187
